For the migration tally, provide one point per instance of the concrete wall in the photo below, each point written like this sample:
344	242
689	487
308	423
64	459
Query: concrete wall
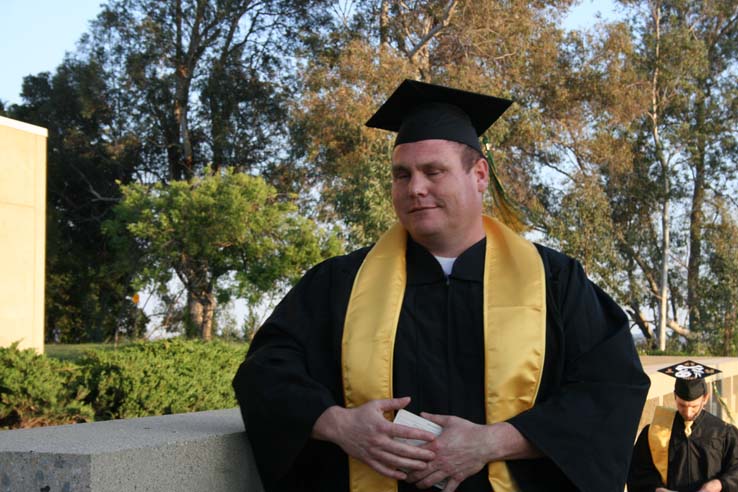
194	452
23	233
204	451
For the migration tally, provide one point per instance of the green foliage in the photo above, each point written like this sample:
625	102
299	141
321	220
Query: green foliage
223	232
155	91
201	80
136	380
584	229
718	321
162	377
37	390
349	162
85	298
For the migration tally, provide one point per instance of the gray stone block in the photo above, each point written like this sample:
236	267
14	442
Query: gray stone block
194	452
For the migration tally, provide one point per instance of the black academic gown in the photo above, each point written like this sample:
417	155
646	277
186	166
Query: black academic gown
709	452
586	413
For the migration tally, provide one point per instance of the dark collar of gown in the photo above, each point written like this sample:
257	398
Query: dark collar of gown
423	268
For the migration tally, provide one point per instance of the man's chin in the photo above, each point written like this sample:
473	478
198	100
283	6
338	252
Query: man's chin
422	232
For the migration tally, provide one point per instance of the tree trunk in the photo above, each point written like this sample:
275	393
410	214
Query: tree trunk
219	119
194	320
696	218
180	111
729	324
201	309
208	312
184	65
176	170
419	54
665	250
663	162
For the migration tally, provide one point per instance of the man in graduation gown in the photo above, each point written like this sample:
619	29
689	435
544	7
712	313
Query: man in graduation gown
527	365
687	449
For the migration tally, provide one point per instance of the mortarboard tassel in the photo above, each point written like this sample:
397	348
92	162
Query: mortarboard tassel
505	208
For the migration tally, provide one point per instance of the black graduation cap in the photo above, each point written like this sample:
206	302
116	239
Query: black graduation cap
420	111
690	378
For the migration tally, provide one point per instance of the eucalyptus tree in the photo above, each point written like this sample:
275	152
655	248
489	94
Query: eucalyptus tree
686	52
719	289
493	47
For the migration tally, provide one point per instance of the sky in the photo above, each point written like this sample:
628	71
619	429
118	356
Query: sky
35	36
37	33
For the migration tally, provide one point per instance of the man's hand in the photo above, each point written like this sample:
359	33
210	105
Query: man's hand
365	434
714	485
464	448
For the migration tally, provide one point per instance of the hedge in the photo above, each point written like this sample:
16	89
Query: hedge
36	390
140	379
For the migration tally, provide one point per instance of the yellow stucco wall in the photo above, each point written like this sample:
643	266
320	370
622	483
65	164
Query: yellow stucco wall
22	233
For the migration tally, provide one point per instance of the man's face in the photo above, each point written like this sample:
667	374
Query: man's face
689	410
436	199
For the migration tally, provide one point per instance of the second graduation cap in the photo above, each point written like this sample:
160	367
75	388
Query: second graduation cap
690	378
420	111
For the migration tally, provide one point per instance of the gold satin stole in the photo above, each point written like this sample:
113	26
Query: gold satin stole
514	334
659	434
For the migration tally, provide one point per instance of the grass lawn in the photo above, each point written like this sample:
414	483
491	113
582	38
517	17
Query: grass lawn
73	351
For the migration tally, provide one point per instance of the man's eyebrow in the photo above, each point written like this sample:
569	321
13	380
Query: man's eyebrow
424	165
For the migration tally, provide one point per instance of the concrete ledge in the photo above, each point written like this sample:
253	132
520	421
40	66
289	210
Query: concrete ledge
195	452
204	451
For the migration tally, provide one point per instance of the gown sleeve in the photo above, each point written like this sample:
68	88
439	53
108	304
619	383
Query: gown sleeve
643	475
289	377
729	475
587	424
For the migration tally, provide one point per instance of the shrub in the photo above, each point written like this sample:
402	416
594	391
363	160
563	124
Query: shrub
162	377
36	390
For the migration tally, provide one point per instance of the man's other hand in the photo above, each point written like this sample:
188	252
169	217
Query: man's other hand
464	448
714	485
365	434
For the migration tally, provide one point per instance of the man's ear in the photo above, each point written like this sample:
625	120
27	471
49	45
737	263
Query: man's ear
481	172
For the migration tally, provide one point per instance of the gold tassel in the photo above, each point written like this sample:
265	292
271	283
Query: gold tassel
505	208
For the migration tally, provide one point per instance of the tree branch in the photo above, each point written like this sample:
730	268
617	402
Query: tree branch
445	19
677	328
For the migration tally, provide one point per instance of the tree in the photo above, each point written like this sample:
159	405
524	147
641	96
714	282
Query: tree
659	138
708	120
201	82
719	314
378	44
222	234
86	298
584	227
686	52
201	78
